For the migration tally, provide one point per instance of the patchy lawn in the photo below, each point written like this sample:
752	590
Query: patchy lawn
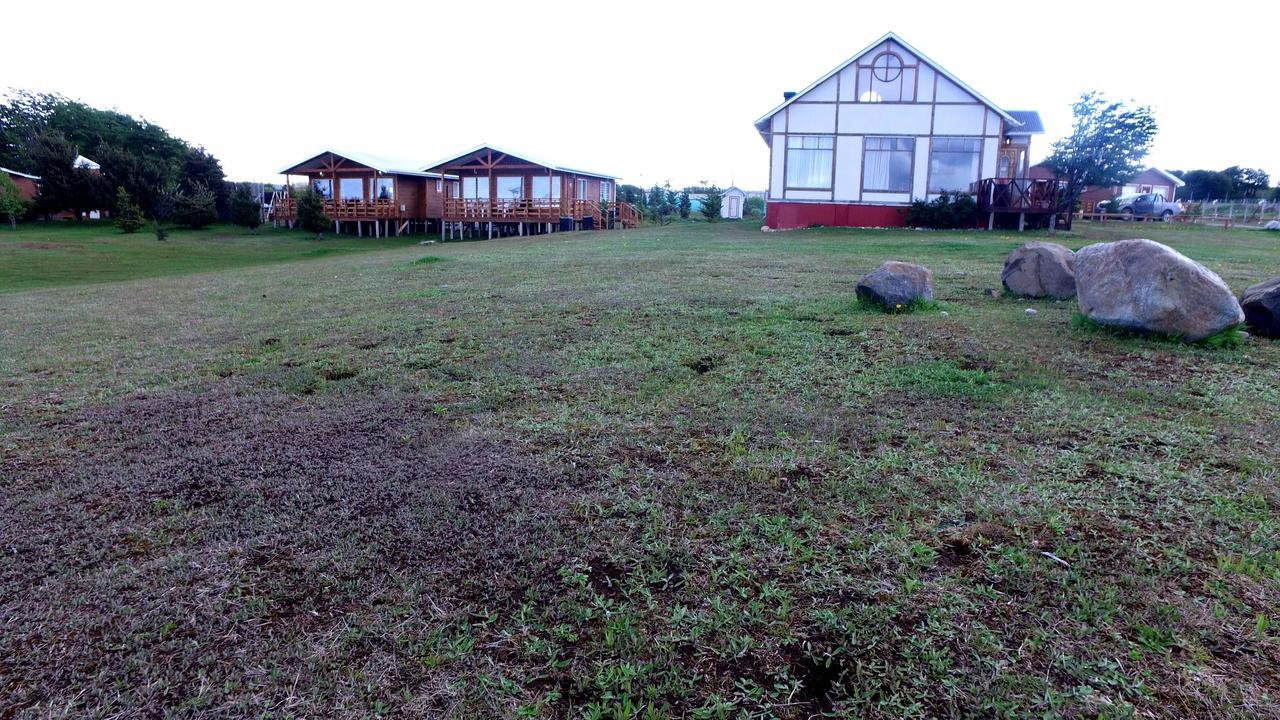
668	472
66	253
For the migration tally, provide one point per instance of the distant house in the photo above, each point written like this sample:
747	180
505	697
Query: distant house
886	127
28	185
1152	180
83	163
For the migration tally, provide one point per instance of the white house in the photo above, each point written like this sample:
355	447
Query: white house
885	127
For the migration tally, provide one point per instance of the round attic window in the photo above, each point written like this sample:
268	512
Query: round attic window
887	67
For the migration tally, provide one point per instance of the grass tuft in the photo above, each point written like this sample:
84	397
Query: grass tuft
915	306
1226	339
428	260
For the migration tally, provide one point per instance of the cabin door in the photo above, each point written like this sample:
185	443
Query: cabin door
1009	164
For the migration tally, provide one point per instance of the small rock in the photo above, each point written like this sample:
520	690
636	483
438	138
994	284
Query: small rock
1040	269
896	283
992	292
427	242
944	313
1273	225
1031	312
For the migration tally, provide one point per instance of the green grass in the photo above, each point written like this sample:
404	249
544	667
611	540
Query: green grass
671	472
63	253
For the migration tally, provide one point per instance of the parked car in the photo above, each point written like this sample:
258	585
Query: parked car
1144	205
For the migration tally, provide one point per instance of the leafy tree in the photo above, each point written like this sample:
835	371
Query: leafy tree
201	168
1204	185
712	201
1106	146
128	215
246	211
311	212
632	194
12	204
686	205
753	207
62	185
195	208
1247	182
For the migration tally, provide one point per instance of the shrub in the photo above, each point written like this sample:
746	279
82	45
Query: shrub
196	208
753	207
128	215
711	204
246	211
949	211
12	204
311	212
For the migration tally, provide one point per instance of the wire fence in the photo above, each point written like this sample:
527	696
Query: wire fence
1238	211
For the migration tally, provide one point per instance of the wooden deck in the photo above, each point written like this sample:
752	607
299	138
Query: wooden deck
286	209
540	210
1018	195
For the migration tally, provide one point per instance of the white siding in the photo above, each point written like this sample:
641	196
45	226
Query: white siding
920	185
990	149
926	83
884	119
776	174
993	122
807	118
849	84
780	122
808	194
900	198
824	92
848	168
958	119
950	92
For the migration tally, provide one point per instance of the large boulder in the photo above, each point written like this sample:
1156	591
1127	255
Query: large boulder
896	283
1148	287
1262	307
1040	269
1272	225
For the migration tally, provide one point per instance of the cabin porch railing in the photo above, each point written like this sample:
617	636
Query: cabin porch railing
1021	195
628	215
548	210
287	209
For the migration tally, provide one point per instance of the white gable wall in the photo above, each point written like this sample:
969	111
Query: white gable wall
933	106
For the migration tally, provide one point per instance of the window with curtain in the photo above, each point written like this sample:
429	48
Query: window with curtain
582	189
809	160
604	191
510	188
386	189
351	189
546	188
953	164
887	164
475	188
324	187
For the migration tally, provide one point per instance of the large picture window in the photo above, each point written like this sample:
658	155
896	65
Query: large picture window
809	161
546	188
953	164
324	187
351	189
475	188
510	188
386	189
887	164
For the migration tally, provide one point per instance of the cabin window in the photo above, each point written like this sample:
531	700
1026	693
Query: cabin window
886	79
475	188
386	189
510	188
582	189
604	191
324	187
351	189
888	164
809	160
953	164
546	188
439	186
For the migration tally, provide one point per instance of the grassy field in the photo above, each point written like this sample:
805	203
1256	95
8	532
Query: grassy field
665	472
53	254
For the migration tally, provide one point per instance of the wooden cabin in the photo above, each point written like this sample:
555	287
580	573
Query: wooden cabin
364	193
498	191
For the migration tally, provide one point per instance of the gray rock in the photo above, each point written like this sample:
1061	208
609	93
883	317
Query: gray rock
1031	312
1148	287
1273	225
1262	307
896	283
1040	269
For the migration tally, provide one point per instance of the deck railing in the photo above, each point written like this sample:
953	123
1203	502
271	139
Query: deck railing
287	209
1028	195
629	215
521	210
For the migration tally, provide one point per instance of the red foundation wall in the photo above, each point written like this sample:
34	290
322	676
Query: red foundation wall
789	215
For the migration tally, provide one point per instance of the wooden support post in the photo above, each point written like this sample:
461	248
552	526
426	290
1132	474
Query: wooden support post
991	221
1022	221
490	229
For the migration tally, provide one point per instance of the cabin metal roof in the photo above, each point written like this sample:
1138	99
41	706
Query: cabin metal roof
523	156
391	166
1029	122
19	174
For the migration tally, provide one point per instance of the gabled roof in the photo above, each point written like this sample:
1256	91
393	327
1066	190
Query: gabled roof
1177	181
19	174
521	156
85	163
924	58
1029	122
381	164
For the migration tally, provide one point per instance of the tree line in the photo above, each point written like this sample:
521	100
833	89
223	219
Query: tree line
1233	183
145	172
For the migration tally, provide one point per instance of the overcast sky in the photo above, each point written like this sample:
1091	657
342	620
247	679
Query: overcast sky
649	91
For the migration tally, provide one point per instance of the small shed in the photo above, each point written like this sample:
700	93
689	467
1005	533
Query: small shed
731	203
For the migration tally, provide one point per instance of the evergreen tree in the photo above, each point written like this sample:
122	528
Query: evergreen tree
686	205
12	204
128	215
311	212
712	201
246	211
196	208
